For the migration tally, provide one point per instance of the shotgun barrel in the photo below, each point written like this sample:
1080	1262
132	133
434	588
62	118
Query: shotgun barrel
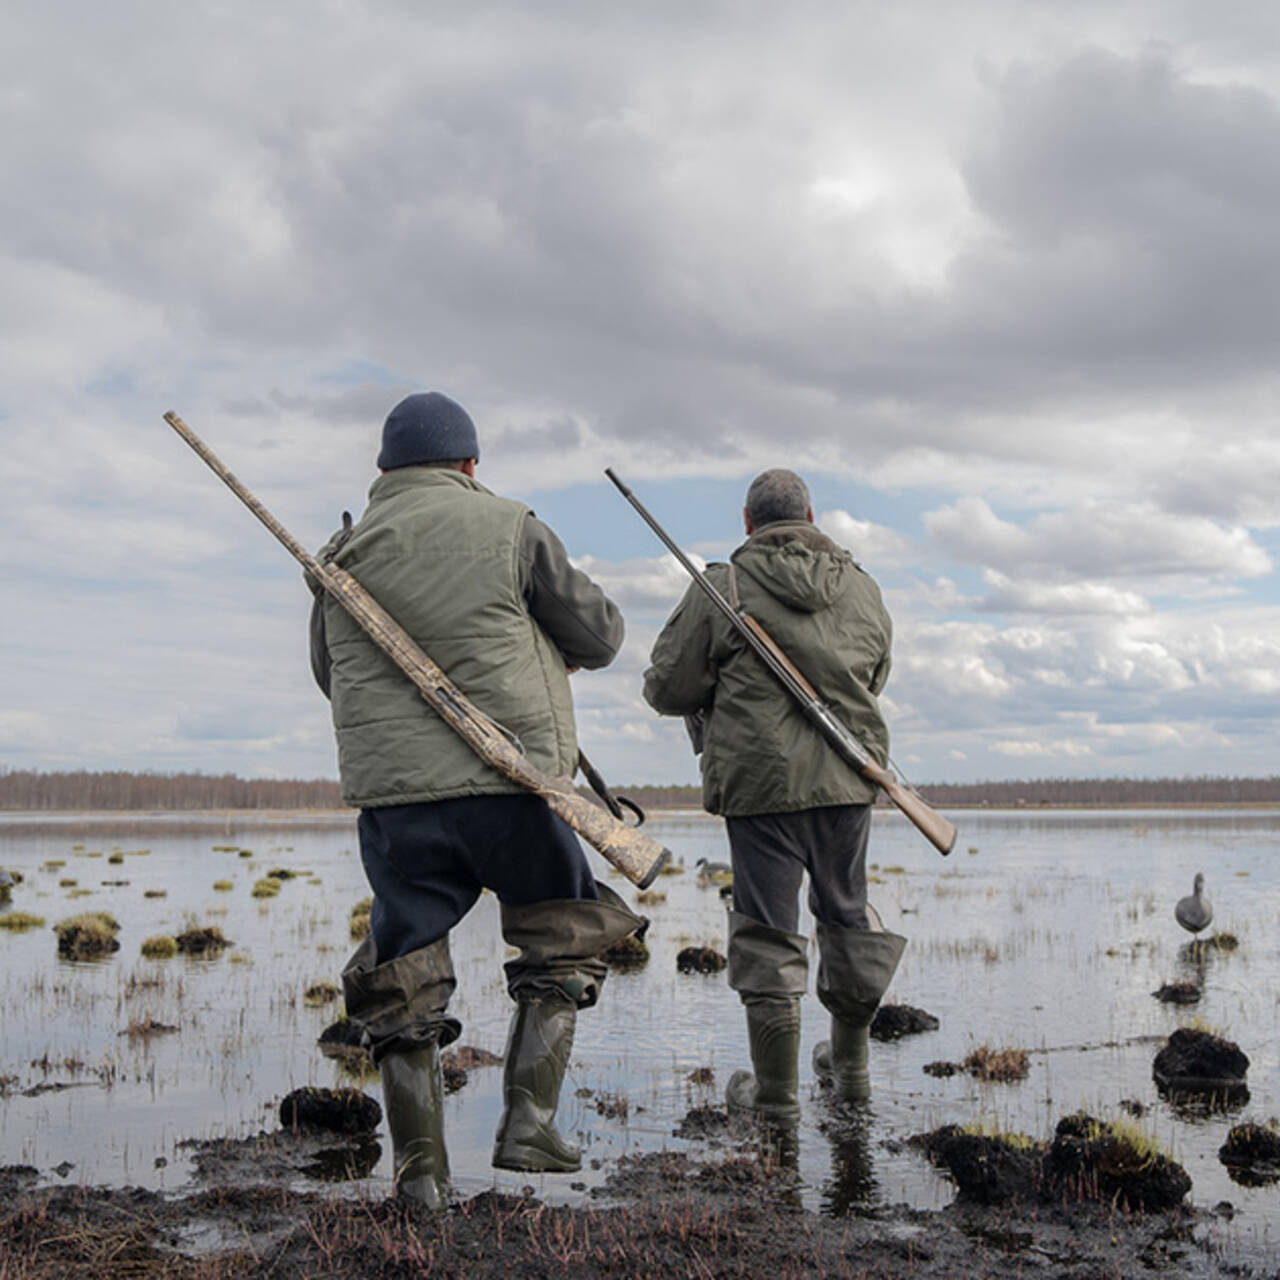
931	824
635	854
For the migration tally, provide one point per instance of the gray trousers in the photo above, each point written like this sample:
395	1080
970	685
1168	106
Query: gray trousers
772	851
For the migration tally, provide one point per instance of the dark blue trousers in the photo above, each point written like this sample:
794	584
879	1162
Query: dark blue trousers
427	863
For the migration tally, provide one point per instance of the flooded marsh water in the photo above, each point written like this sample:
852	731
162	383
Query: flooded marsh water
1045	930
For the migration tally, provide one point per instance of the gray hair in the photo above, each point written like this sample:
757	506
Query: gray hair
777	495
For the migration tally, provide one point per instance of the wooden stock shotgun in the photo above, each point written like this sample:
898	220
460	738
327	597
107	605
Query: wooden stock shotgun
930	823
635	854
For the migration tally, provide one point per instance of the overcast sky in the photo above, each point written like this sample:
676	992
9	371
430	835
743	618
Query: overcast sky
1001	280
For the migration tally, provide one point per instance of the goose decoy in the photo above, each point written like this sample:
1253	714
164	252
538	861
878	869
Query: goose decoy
710	873
1194	911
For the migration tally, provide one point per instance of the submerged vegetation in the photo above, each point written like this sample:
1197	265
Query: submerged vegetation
360	921
20	920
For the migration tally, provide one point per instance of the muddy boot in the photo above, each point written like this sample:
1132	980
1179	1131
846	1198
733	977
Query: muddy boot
841	1062
413	1094
854	971
771	1089
538	1048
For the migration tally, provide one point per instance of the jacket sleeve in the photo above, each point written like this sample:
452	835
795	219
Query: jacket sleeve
681	679
880	676
583	623
320	665
318	644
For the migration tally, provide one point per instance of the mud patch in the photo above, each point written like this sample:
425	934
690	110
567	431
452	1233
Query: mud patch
705	1123
273	1159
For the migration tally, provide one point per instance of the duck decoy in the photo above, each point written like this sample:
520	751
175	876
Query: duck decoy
1194	911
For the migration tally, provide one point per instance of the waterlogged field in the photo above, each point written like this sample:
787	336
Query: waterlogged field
1046	931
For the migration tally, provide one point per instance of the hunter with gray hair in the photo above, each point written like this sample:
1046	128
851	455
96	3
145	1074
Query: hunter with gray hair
791	805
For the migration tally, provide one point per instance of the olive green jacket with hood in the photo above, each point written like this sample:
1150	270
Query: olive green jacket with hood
760	754
487	590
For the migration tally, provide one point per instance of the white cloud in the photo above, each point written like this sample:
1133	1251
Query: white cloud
1021	273
873	545
1100	540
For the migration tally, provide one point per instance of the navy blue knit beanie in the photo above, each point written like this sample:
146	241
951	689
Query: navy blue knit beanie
427	427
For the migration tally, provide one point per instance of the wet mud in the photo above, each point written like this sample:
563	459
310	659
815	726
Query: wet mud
659	1214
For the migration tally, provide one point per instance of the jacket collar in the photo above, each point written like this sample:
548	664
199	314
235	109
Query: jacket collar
405	479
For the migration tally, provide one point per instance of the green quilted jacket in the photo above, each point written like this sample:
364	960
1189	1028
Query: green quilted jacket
760	754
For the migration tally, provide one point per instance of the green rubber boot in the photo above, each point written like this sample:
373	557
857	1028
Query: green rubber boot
771	1090
841	1062
413	1095
538	1048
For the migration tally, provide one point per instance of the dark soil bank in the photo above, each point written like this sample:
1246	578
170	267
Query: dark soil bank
678	1218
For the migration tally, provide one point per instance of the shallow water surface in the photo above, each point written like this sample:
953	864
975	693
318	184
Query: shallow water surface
1045	930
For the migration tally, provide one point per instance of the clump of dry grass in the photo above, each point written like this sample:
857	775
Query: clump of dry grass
160	946
360	919
321	993
223	886
19	920
202	940
266	888
145	1028
650	897
999	1066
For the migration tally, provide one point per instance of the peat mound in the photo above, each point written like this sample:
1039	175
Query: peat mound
1252	1154
1113	1163
627	953
88	936
1088	1160
206	941
1198	1062
700	960
892	1021
1177	993
334	1110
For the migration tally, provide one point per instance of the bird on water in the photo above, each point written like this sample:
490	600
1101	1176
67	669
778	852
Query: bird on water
1194	911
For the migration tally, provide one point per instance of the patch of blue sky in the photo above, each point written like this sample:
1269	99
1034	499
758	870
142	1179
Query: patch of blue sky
354	371
595	519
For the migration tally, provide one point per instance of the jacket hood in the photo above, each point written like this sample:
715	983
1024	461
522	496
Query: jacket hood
797	564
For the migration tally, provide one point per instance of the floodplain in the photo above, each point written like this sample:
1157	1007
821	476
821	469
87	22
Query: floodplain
1046	932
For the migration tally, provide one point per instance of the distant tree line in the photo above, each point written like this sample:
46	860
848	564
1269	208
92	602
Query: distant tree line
29	790
32	790
1103	793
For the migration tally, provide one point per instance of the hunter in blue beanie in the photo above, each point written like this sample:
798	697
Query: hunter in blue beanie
427	427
